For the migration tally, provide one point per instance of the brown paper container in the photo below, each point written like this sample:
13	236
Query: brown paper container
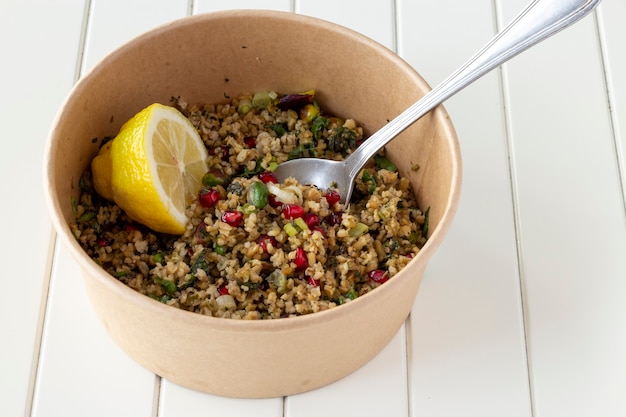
206	58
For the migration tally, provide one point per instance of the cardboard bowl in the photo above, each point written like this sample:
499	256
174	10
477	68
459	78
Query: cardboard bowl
203	59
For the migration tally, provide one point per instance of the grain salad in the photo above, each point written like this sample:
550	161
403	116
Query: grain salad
255	248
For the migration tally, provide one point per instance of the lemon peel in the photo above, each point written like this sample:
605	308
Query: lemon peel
153	168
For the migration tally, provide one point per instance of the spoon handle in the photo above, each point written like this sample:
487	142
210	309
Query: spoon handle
538	21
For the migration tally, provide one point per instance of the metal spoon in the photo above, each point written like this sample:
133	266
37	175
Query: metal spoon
538	21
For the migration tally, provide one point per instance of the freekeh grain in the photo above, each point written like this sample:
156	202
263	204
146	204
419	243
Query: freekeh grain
262	250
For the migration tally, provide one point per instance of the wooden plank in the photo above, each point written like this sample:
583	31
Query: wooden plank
204	6
37	72
610	15
379	388
373	19
79	362
114	22
467	350
571	223
178	401
82	372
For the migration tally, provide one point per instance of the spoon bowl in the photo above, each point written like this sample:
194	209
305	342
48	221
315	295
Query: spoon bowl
538	21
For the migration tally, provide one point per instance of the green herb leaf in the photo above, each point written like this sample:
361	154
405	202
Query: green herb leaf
426	221
158	258
235	188
317	127
304	150
87	216
384	163
256	170
369	181
200	263
168	286
342	140
219	249
279	129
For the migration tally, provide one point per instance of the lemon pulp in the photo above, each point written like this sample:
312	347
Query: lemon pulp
153	168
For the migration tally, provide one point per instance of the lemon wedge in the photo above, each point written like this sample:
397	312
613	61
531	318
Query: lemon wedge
153	168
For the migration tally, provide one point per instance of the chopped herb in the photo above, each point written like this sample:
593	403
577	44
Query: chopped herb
341	140
256	170
200	263
120	274
86	216
219	249
84	183
162	299
369	181
304	150
214	177
190	281
251	285
158	258
392	245
235	188
319	124
168	286
350	295
414	237
279	129
384	163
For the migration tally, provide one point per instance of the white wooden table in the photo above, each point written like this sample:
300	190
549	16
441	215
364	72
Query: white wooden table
522	312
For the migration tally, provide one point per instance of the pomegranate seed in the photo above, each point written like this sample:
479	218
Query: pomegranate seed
293	211
250	141
301	260
312	281
319	229
268	176
264	239
201	233
378	275
208	197
103	242
232	217
223	290
334	219
311	220
130	228
332	197
273	202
